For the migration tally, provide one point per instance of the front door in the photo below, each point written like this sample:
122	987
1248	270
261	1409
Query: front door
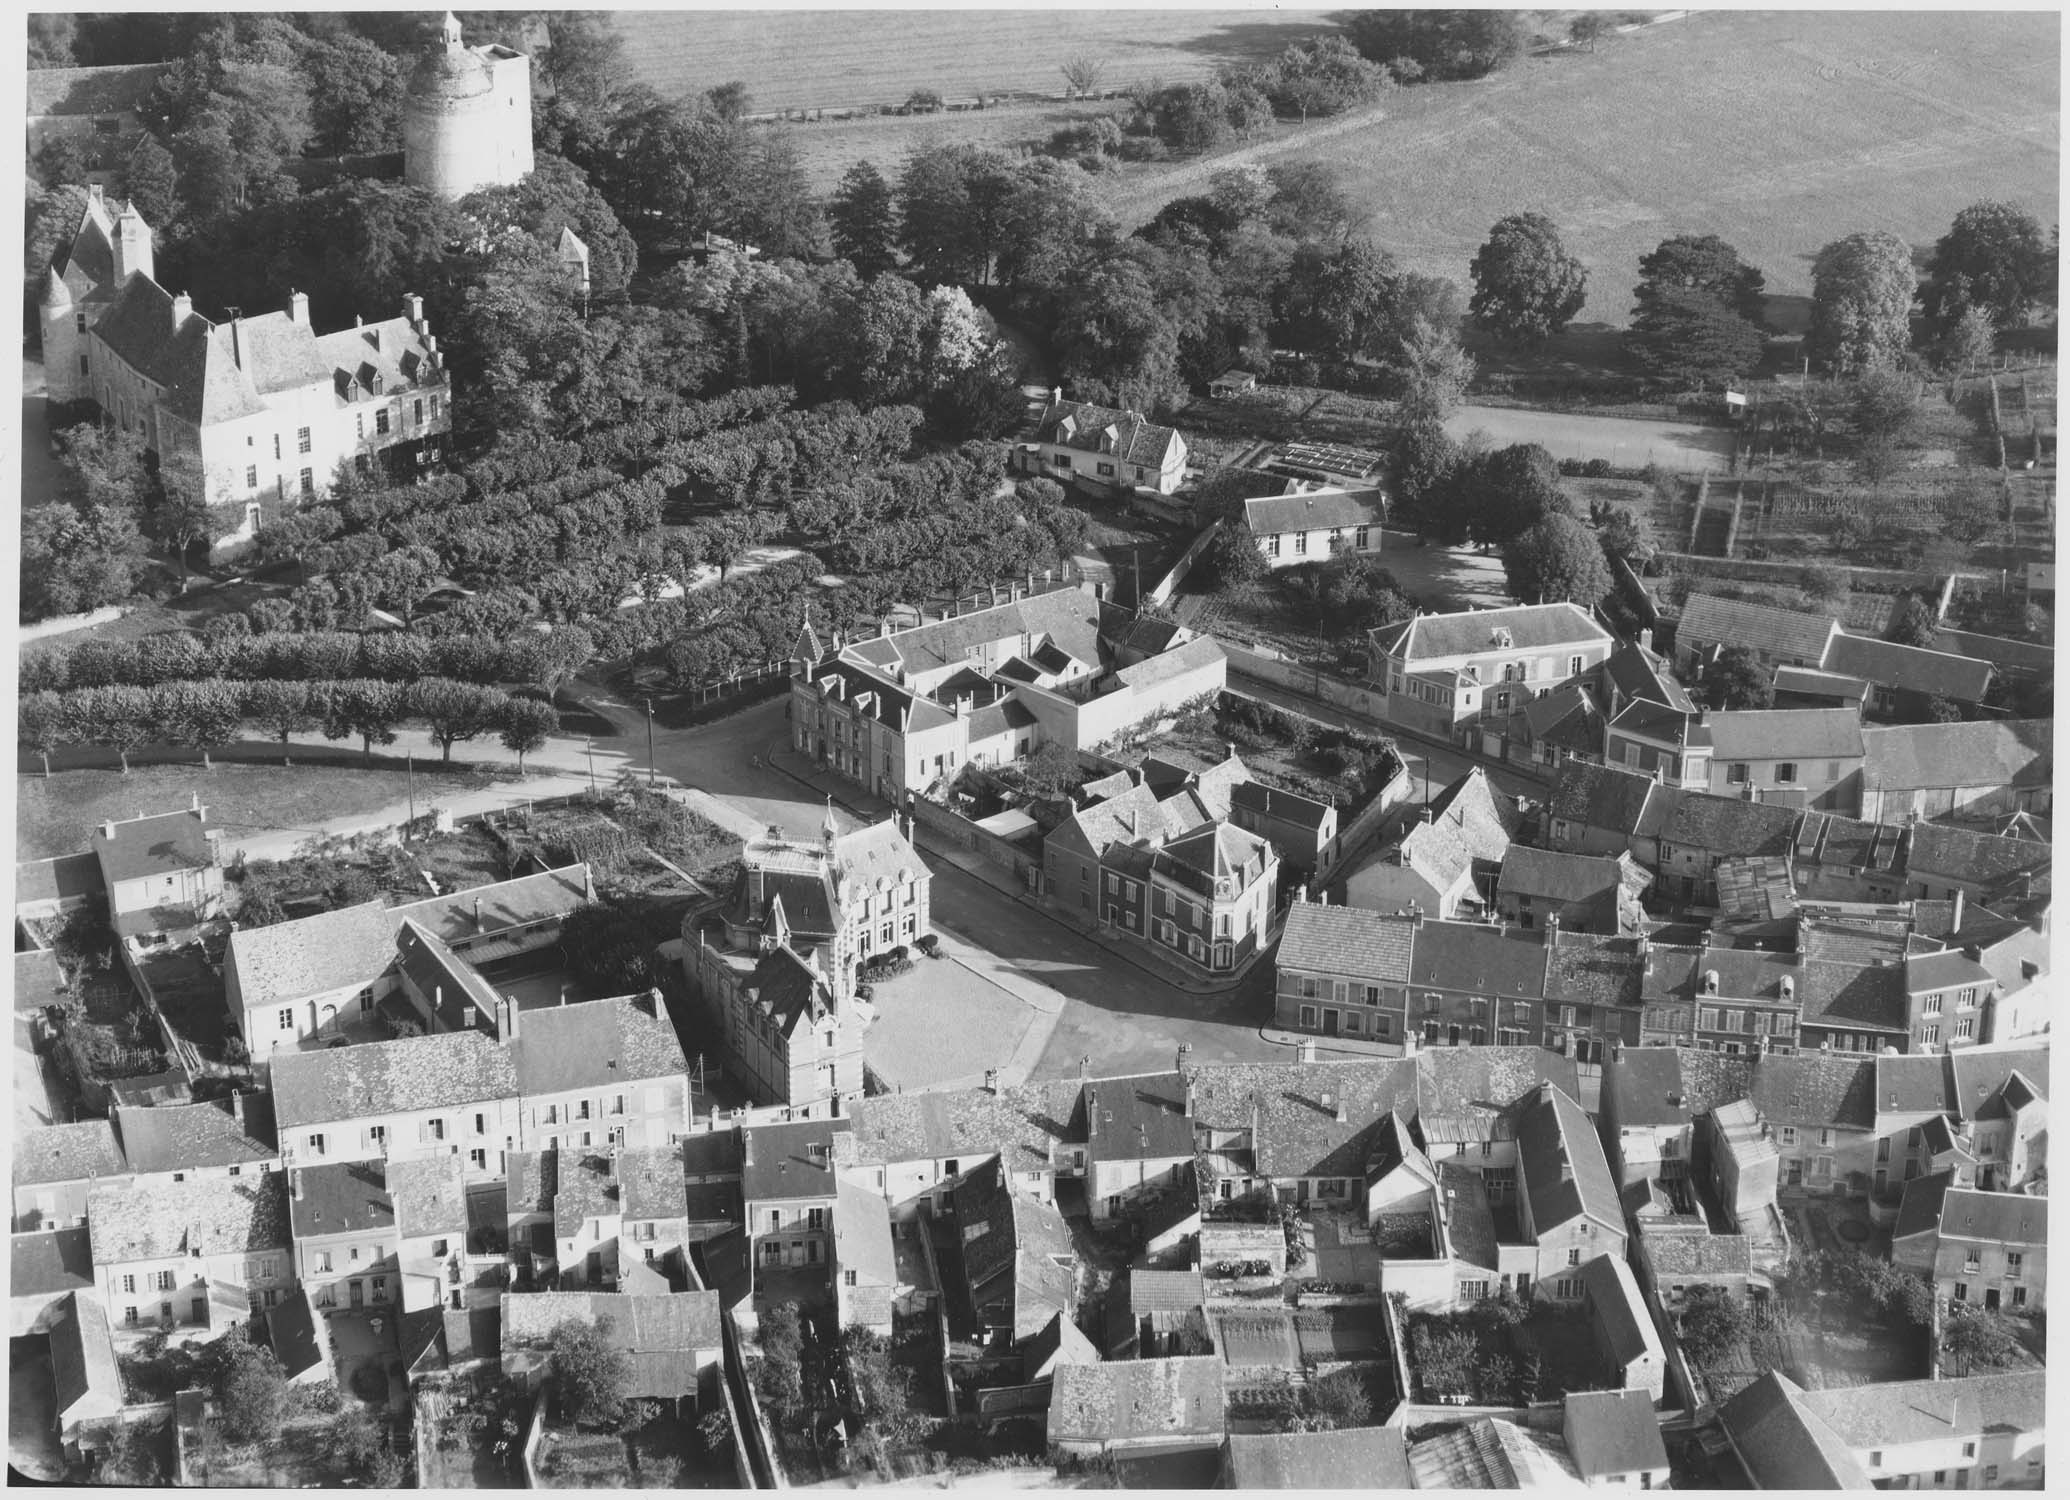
357	1292
596	1267
201	1308
1329	1023
1991	1300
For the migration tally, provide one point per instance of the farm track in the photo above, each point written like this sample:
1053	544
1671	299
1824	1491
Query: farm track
1195	173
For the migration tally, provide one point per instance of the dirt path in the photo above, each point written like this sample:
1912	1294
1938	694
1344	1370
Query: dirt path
1136	198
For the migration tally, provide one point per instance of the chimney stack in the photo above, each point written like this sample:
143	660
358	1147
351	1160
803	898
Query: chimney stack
1956	924
237	1107
294	1178
237	341
477	914
183	309
108	829
991	1080
589	884
1552	928
747	1147
298	308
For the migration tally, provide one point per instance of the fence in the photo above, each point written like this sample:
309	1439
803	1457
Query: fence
535	1434
756	1427
178	1048
988	846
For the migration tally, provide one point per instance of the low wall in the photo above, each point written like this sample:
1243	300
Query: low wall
1312	681
535	1434
956	829
1007	1400
1367	824
1169	584
756	1427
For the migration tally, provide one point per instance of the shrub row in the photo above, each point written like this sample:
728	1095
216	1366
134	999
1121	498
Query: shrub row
307	656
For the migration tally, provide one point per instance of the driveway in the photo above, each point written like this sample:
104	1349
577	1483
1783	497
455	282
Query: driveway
1623	441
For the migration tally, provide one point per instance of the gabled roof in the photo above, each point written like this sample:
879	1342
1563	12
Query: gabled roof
200	1216
862	1235
1640	673
1560	877
1855	995
1564	1169
1981	752
85	1374
1103	429
332	950
1281	806
669	1336
1710	619
1613	1432
1315	510
1024	1123
1730	825
1345	940
339	1198
429	1194
1137	1119
1295	1106
378	1078
50	1262
1565	716
1895	1413
1965	855
1007	1233
1609	798
597	1044
214	1133
294	1333
1531	627
1138	1398
1810	682
1909	668
1653	1086
1816	1090
78	1152
1452	1082
1784	1443
1950	966
1594	969
1979	1075
1783	733
161	844
790	1161
1482	960
1915	1084
1352	1458
786	986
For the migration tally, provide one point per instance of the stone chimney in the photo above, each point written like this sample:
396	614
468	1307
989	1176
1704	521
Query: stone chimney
298	308
589	884
1956	924
477	914
1552	928
237	342
294	1184
747	1147
108	829
991	1080
183	309
1646	639
237	1107
413	309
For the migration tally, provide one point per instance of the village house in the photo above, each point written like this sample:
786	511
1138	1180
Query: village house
1613	1438
1136	1403
1821	1109
1552	728
1972	1432
1342	971
1544	890
1744	1161
1138	1141
1097	448
1711	623
86	1375
1800	757
1155	1314
671	1340
44	1268
1012	1270
1670	743
867	1283
1442	674
1943	862
1981	768
1985	1249
1845	859
1315	525
271	409
1622	1328
599	1074
909	1147
192	1258
1472	986
1345	1458
93	108
1443	861
1567	1202
903	711
57	1168
433	1262
427	1095
160	873
1701	832
210	1138
1301	829
1610	811
1651	1098
348	1252
1906	681
788	1194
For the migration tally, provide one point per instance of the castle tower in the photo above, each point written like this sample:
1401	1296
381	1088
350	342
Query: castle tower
131	243
467	116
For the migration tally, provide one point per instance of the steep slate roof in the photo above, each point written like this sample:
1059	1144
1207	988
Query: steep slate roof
1640	673
1968	1214
1909	668
174	1137
1981	752
1675	1251
1456	1081
157	845
1784	1443
1285	807
1613	1432
650	1181
1137	1119
429	1194
340	1198
1083	426
1478	959
1137	1398
1852	995
1532	627
1120	819
1019	1237
597	1043
1730	825
1620	1311
1314	510
1914	1084
1298	1135
67	877
1950	966
287	961
1565	716
1816	1090
83	1365
663	1332
415	1073
1553	1132
1352	1458
1810	682
1762	628
1345	940
48	1262
1557	876
454	989
1980	1074
1673	1085
203	1216
76	1152
588	1191
783	1165
1898	1412
1781	733
1024	1124
1594	969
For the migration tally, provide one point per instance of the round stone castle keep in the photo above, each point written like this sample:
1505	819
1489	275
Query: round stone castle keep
467	116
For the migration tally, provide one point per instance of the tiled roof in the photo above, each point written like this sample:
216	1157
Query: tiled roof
1784	1444
1643	718
595	1044
1815	1090
1314	510
1480	960
294	1335
664	1333
201	1216
158	845
1982	752
340	1198
429	1194
84	1370
1950	966
650	1179
1964	855
1147	1292
533	1183
1564	1169
1191	656
454	989
76	1152
1557	876
172	1137
1639	673
1809	682
1565	716
1023	1123
785	986
1914	1085
1285	807
1451	1081
862	1234
1121	819
2004	654
1613	1433
1852	995
1137	1398
1019	1237
333	950
1531	627
1490	1453
1215	850
1673	1085
588	1191
1909	668
416	1073
1730	825
1676	1251
1786	733
1296	1106
504	905
1589	969
91	91
1709	619
1345	940
69	877
1994	1218
50	1262
1979	1073
1103	429
1830	839
1606	797
790	1161
1068	616
1348	1458
1902	1412
1137	1119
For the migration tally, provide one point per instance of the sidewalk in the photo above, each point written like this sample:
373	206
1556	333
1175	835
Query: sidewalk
862	803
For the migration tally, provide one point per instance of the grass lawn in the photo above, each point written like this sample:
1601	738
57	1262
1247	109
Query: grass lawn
54	816
1779	131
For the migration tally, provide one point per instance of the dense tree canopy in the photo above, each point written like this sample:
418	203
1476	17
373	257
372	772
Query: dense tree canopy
1992	258
1438	44
1558	558
1698	316
1861	302
1526	285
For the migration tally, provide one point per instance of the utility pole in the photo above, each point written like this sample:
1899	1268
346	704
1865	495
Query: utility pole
649	702
589	751
410	777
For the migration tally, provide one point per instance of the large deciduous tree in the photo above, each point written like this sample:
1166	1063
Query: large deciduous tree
1697	321
1558	558
863	220
1737	680
1439	44
1861	302
1526	285
1993	257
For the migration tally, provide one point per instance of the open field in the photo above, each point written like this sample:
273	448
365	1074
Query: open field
807	59
1778	131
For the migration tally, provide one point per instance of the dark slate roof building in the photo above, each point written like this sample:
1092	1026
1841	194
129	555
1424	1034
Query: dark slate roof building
1564	1171
237	1131
1783	1444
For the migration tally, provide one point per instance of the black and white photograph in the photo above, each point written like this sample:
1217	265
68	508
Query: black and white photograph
1034	747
